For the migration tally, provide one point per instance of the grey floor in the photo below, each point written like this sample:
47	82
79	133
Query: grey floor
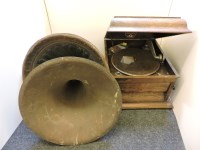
153	129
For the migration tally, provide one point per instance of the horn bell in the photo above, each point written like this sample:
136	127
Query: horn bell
70	100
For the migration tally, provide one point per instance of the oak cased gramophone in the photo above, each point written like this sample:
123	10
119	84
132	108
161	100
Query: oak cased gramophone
146	77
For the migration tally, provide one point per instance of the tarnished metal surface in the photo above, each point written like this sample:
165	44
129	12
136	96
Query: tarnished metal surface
142	62
70	101
60	45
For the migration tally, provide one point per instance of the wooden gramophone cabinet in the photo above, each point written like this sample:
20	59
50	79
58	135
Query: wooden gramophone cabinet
145	81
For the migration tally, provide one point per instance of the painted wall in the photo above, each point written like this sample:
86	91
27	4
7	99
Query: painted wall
184	52
22	23
91	18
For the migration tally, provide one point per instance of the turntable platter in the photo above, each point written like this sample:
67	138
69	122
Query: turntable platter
135	61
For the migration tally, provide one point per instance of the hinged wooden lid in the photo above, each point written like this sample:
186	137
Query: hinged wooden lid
146	27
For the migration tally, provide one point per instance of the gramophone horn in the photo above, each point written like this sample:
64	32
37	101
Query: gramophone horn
59	45
68	100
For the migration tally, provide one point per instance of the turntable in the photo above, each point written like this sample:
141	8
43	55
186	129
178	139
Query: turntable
145	75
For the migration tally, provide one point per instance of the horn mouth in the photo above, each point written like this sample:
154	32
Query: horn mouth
74	86
75	89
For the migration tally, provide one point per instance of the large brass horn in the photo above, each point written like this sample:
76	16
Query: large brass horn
68	100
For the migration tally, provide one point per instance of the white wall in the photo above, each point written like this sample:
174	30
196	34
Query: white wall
22	22
184	52
91	18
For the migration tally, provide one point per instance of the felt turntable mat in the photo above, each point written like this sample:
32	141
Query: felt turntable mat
135	61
